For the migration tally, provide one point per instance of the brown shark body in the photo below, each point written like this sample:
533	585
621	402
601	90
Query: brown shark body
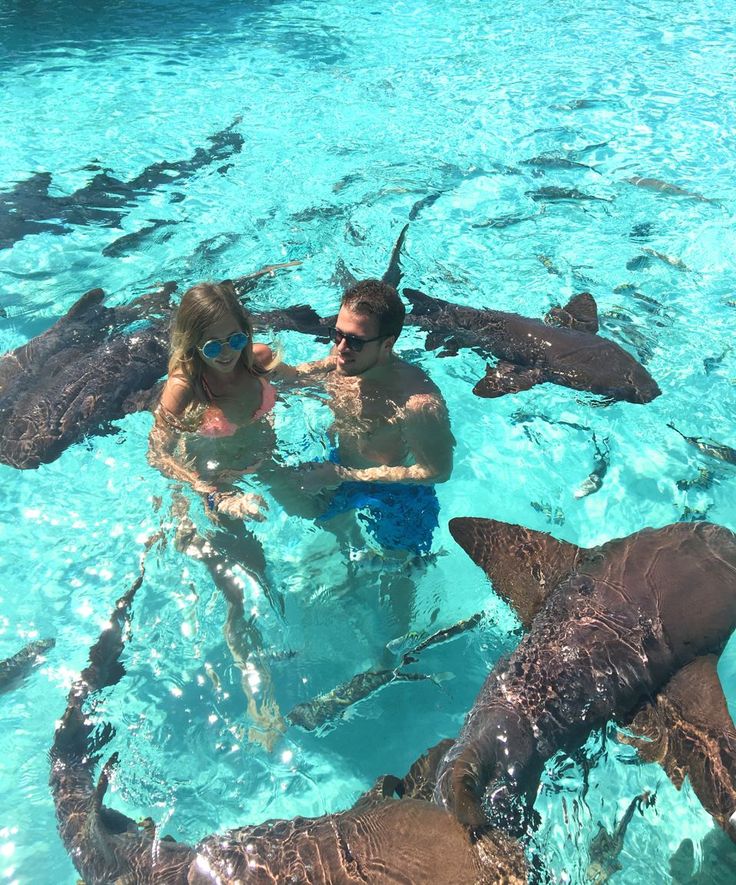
392	834
564	350
610	627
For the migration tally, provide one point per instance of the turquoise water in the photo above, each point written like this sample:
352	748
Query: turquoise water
351	115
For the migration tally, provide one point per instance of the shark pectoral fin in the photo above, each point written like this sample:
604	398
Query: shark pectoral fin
451	348
388	786
143	400
305	318
435	340
419	782
580	312
524	565
506	378
421	304
343	276
689	731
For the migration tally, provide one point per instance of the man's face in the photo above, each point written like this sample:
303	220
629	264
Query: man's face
365	328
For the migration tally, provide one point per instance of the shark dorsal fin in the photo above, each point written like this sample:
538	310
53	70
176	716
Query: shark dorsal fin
90	299
393	272
524	565
580	312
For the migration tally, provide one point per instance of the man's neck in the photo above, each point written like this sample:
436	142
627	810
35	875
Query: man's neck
381	373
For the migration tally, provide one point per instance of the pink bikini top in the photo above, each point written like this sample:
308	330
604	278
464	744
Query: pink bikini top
214	421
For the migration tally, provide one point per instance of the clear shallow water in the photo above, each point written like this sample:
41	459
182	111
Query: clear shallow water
350	118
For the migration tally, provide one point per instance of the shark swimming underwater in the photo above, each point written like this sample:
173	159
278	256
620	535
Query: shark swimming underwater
85	371
19	665
564	349
392	834
97	364
611	629
30	207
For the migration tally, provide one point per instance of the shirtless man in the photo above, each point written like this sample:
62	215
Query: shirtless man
391	433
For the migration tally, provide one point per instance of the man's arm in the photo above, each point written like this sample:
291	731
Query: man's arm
305	372
426	430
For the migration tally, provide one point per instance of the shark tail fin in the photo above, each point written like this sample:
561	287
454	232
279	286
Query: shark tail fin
393	272
580	312
524	565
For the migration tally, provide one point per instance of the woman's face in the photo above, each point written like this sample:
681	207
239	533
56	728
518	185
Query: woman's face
221	331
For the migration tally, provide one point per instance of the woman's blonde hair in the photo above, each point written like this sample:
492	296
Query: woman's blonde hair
202	306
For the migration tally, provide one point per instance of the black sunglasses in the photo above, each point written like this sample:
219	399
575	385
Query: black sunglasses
354	343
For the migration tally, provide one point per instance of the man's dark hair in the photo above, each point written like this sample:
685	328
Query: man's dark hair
378	299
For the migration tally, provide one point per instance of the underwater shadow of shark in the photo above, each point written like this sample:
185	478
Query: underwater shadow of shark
627	631
382	839
564	349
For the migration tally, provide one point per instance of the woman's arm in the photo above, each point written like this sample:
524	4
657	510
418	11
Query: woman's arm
162	444
176	396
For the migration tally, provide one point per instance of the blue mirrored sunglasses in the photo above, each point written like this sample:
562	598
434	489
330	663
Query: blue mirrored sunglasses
213	348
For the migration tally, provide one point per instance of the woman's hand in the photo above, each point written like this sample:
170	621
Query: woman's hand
240	505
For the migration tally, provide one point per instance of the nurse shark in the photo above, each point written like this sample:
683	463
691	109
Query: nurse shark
393	833
564	349
98	364
611	628
19	665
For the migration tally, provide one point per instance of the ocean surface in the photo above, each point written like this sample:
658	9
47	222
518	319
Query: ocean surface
265	132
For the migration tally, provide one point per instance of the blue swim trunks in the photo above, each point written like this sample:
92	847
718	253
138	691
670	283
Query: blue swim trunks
398	517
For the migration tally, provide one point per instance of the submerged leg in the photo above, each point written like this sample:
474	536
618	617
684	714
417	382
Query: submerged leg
241	634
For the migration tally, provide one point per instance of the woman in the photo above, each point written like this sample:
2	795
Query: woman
212	427
213	424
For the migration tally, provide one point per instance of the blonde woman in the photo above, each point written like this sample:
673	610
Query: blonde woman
213	422
212	427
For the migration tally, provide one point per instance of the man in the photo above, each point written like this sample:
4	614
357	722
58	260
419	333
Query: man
391	433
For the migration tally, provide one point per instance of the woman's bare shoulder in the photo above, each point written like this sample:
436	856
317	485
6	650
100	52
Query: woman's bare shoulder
178	393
